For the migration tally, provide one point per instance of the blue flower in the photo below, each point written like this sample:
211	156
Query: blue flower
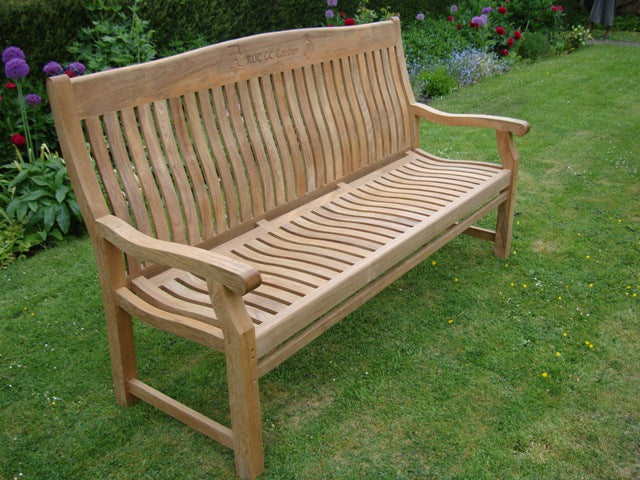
329	13
76	68
420	16
16	68
12	52
33	99
332	3
52	68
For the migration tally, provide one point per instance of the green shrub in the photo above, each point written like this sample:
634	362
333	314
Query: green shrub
38	195
116	38
437	82
534	45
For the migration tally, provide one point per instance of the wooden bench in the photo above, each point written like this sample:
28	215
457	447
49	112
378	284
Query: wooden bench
249	195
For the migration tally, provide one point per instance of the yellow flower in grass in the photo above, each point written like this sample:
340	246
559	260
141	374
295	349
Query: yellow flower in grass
545	374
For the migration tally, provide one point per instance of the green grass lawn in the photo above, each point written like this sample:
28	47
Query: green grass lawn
469	367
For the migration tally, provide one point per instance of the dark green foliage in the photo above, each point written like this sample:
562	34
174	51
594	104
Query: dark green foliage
38	196
534	45
436	82
42	28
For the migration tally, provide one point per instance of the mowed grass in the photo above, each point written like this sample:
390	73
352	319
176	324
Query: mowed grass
469	367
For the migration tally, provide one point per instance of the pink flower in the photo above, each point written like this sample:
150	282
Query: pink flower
18	140
500	30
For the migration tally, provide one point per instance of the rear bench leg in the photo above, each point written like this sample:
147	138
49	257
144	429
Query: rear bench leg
242	376
506	211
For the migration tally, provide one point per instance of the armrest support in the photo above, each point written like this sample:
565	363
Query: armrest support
502	124
236	276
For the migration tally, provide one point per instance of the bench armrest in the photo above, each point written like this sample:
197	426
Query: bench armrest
238	277
503	124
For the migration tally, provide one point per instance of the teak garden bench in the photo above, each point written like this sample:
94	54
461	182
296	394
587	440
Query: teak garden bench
250	194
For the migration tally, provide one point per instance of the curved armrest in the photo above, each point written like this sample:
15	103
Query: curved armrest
238	277
503	124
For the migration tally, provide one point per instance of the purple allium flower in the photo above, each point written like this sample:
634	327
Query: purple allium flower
329	13
420	16
16	68
52	68
453	8
33	99
77	68
332	3
487	10
12	52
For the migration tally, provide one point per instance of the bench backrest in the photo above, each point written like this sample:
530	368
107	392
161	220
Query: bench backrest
194	147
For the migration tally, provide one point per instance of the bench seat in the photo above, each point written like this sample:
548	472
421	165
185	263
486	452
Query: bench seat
321	253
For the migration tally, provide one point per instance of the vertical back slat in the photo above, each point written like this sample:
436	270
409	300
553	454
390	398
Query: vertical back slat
145	175
351	134
295	166
377	104
305	173
333	165
161	172
368	104
222	167
403	101
242	193
204	221
324	158
176	166
207	164
359	120
246	160
337	116
391	129
102	158
395	98
247	103
126	174
269	125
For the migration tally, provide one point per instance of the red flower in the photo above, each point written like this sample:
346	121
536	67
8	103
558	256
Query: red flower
69	73
473	25
0	98
450	18
517	35
18	140
554	8
459	26
500	30
342	14
510	42
502	10
504	52
349	21
560	9
11	86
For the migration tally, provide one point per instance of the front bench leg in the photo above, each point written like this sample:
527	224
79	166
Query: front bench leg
242	376
506	211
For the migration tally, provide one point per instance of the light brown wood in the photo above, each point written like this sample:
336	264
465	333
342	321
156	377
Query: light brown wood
249	195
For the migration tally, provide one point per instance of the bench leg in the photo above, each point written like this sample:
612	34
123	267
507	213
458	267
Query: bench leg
506	211
242	376
119	326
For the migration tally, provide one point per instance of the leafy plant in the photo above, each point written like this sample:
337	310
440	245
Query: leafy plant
38	196
437	82
534	45
116	38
